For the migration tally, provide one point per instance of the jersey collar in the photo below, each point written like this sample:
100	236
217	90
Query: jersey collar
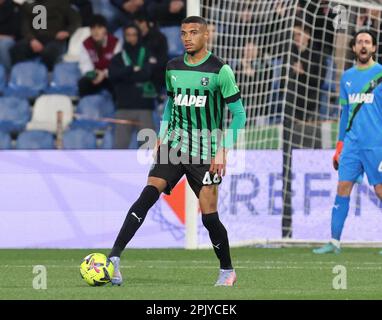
366	68
198	63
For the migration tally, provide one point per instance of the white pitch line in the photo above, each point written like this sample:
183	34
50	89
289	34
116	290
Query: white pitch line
242	262
209	267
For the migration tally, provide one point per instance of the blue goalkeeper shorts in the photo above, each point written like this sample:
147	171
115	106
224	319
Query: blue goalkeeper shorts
355	161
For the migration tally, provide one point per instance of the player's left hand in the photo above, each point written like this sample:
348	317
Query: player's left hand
218	164
336	157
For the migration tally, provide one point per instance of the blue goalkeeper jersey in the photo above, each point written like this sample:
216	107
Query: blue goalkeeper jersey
361	101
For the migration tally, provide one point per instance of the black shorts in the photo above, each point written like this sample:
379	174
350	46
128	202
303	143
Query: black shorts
198	174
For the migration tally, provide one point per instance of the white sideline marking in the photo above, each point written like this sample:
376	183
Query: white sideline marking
359	266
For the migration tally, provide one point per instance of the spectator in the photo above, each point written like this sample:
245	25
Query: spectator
303	80
319	15
272	25
167	12
9	30
212	37
109	11
49	43
95	57
156	43
130	73
255	78
368	19
129	8
303	76
85	9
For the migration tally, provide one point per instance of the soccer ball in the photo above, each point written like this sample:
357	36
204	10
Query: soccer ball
96	269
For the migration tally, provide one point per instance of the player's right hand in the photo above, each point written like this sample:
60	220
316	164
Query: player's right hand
336	157
219	162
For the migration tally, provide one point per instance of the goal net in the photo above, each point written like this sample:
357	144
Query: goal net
288	57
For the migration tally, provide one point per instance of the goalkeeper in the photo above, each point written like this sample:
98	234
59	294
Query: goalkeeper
359	146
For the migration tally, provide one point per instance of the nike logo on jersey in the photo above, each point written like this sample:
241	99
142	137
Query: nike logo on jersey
361	98
174	78
348	83
190	100
135	215
336	206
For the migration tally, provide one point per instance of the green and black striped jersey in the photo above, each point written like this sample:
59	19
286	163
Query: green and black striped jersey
199	94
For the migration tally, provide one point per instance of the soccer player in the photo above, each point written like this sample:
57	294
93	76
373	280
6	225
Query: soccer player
359	146
199	85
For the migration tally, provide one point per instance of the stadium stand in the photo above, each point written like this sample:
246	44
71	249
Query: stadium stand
27	80
65	79
109	11
175	46
79	139
90	109
44	116
3	78
30	79
73	53
119	34
34	140
5	141
108	140
14	114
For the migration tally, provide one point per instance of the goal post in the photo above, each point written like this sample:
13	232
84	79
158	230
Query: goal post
191	202
193	8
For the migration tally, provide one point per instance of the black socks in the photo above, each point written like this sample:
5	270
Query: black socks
138	212
219	238
135	218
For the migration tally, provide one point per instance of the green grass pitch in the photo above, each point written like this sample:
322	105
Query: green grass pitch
263	273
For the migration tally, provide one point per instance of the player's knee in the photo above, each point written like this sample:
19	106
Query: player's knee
208	199
378	191
158	183
344	188
208	208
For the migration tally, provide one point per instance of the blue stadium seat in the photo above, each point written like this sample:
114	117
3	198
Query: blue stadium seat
28	79
91	108
35	139
175	46
109	11
79	139
119	35
108	140
3	78
14	114
5	141
65	79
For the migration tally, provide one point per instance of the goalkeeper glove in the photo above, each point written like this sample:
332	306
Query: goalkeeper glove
336	157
